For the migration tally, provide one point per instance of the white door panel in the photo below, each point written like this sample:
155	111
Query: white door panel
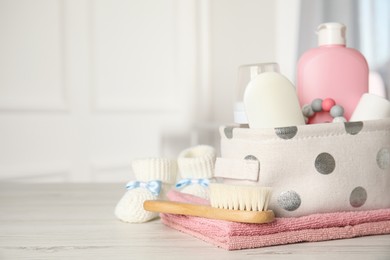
32	57
86	86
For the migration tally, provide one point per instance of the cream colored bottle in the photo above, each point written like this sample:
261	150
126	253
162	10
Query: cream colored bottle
270	101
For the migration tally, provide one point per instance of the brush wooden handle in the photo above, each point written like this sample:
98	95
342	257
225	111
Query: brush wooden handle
209	212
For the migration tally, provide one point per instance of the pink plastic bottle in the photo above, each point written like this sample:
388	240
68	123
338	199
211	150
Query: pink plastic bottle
332	71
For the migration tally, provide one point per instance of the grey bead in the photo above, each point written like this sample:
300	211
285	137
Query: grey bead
307	110
337	111
316	105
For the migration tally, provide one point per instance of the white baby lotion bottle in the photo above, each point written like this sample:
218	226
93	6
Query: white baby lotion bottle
270	101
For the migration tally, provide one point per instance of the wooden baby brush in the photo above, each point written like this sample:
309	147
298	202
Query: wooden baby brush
237	203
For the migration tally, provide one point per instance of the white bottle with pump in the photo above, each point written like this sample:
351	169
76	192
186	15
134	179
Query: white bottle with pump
270	101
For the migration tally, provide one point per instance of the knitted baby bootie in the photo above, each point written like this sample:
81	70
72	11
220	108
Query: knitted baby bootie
154	178
196	166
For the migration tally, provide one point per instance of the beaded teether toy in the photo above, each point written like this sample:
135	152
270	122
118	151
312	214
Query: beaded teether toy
326	105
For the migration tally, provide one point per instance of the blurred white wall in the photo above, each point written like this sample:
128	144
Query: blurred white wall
88	85
239	34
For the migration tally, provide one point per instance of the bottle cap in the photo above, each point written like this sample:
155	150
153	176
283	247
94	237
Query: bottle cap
245	74
331	34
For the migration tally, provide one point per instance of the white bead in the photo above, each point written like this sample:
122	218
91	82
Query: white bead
339	119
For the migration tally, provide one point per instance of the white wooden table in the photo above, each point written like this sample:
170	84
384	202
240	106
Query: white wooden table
76	221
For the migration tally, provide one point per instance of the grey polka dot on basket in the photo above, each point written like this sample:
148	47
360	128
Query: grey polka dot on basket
229	132
325	163
289	200
358	197
353	128
383	158
251	157
286	132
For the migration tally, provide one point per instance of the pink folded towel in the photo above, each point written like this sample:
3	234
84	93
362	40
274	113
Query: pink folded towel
316	227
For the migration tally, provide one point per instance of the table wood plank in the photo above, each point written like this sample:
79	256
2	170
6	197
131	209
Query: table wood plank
65	221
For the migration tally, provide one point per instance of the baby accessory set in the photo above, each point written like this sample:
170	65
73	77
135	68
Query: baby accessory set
299	165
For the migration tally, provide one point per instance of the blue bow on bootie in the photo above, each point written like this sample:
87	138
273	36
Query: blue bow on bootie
185	182
153	186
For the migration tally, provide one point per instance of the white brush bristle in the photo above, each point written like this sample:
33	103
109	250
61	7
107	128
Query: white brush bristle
239	197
